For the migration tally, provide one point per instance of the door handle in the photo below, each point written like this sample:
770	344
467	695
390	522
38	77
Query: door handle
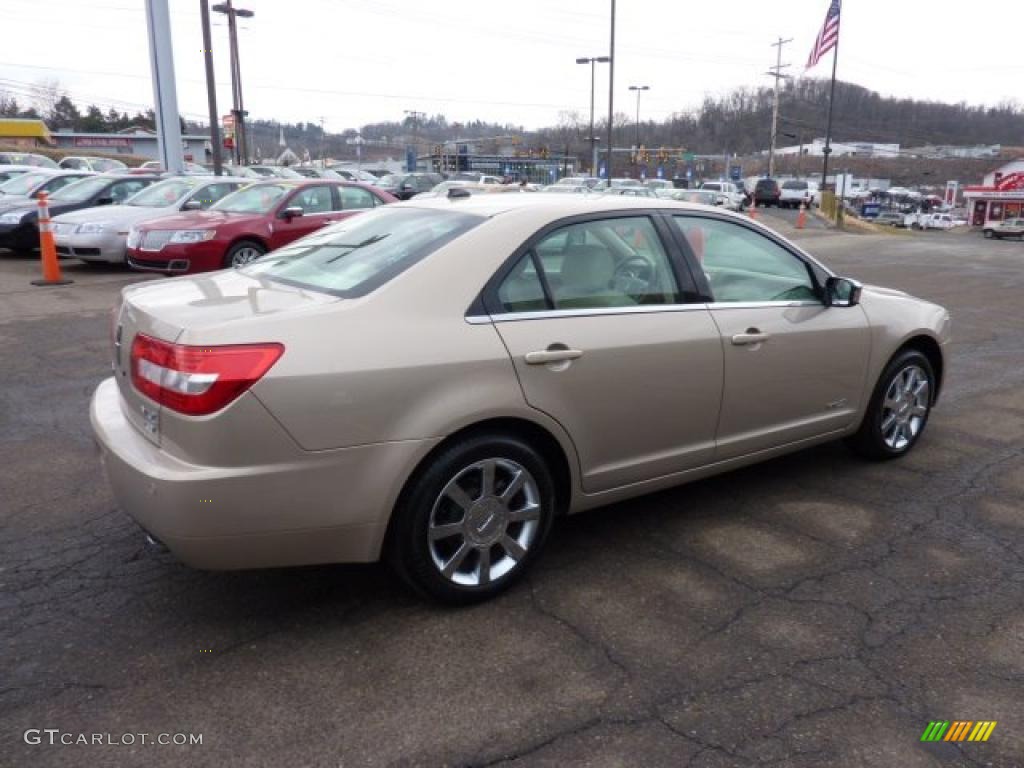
752	336
552	356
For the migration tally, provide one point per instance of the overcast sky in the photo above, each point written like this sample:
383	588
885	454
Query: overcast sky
350	62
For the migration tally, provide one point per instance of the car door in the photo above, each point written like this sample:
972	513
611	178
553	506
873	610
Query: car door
318	209
607	337
794	368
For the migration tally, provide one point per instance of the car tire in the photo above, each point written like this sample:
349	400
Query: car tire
988	233
899	408
243	252
452	521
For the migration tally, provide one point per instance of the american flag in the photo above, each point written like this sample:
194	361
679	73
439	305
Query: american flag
829	35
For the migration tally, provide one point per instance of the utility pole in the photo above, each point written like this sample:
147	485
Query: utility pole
211	90
776	72
611	95
241	148
415	116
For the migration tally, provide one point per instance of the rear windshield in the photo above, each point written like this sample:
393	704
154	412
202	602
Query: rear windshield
795	185
713	187
358	255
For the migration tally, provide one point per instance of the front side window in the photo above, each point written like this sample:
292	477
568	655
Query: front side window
616	262
259	198
59	182
361	253
742	265
163	194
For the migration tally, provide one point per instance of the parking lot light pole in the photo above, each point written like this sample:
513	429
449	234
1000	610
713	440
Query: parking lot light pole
242	150
592	61
638	89
611	94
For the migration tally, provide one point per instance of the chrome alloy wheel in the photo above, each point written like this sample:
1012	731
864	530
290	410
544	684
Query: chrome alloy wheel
905	407
243	256
483	522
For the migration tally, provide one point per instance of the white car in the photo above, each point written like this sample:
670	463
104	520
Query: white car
797	191
101	234
728	195
937	221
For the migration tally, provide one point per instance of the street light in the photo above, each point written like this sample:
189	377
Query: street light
638	89
241	145
593	139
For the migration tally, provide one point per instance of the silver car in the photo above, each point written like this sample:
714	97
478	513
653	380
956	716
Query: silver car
101	234
434	382
26	187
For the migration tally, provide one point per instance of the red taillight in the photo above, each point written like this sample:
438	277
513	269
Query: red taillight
198	380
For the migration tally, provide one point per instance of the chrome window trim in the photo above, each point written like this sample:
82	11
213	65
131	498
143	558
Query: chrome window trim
551	314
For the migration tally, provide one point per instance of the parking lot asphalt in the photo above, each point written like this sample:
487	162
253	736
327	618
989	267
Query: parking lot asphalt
816	610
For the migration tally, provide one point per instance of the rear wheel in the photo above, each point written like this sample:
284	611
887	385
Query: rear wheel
471	523
988	234
899	408
243	252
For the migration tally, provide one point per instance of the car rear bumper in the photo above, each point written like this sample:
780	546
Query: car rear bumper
325	507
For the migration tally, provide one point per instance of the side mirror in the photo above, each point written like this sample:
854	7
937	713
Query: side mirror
292	212
192	205
842	292
105	201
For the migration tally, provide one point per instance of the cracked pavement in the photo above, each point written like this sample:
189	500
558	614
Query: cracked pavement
815	610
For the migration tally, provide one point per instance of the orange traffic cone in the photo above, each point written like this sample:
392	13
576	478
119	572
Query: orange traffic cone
47	248
801	218
753	211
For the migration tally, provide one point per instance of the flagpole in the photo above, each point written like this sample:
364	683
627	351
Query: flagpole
831	99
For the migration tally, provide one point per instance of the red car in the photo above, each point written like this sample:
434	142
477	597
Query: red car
246	224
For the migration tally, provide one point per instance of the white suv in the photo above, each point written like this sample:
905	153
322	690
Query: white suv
728	194
795	192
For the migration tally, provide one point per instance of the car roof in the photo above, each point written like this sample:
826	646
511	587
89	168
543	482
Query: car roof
558	205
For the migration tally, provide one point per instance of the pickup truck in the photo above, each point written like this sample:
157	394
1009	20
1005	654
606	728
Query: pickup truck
796	191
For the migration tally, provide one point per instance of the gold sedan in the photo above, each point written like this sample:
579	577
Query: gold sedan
434	382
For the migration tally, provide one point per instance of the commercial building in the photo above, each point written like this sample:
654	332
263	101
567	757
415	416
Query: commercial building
999	197
24	133
135	141
816	148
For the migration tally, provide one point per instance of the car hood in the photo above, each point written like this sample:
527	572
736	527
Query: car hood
180	308
115	214
201	220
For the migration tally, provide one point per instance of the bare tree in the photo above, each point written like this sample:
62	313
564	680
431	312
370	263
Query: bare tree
45	96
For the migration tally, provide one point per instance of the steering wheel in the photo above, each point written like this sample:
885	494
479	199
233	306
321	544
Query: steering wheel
634	277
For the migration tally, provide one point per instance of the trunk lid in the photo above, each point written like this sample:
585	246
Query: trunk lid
204	309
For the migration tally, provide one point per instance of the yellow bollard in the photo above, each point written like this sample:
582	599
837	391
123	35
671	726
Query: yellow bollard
47	248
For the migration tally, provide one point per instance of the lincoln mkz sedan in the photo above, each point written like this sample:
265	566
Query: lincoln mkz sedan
434	382
246	224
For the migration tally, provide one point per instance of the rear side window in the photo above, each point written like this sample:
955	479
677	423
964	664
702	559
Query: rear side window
361	253
355	197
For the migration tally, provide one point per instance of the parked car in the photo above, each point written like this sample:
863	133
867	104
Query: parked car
590	182
406	185
697	196
435	382
728	196
630	192
94	164
19	227
658	184
937	220
153	166
24	189
101	234
311	172
566	189
8	172
797	192
767	192
235	171
1007	228
274	172
27	158
356	174
246	224
474	177
892	219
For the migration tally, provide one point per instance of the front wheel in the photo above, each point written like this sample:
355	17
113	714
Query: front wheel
899	408
988	233
471	523
242	253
